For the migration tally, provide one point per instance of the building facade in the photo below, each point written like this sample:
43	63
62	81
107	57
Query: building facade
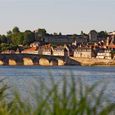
104	54
58	39
84	53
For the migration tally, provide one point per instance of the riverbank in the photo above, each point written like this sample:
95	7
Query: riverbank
94	61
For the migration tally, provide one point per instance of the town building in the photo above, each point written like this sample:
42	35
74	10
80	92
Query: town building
84	53
104	54
45	50
112	33
32	50
61	51
111	38
80	39
35	44
58	39
8	52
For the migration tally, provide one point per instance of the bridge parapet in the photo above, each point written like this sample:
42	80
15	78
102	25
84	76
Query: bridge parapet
33	59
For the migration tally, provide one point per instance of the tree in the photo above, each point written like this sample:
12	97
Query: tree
102	34
3	39
12	47
17	38
60	34
15	30
29	37
9	33
4	46
74	36
82	33
41	32
55	34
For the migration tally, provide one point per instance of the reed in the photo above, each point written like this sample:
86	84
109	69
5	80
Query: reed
62	98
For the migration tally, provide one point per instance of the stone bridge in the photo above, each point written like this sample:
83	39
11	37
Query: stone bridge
35	59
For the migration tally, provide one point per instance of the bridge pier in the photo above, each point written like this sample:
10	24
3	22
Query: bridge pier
53	62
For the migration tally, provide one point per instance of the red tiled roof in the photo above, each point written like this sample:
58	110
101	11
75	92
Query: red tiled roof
29	50
111	46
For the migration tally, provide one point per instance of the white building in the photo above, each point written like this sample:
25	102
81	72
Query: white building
61	51
112	33
84	52
104	54
44	51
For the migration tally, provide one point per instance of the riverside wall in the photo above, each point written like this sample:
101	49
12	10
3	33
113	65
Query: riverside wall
94	61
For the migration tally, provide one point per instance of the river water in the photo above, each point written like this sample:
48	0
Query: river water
23	77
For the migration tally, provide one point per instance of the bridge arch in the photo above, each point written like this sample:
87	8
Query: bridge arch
1	62
12	62
27	61
4	61
44	62
61	62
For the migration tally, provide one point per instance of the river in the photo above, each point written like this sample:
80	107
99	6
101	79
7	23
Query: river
23	77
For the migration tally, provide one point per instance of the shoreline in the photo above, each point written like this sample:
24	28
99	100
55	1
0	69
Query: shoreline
94	61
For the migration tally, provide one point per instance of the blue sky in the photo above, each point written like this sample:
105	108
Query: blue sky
66	16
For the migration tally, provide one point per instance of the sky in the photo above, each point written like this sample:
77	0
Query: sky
65	16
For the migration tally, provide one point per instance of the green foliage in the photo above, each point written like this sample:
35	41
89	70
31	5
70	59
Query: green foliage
4	39
9	32
15	30
60	34
113	52
29	37
13	47
71	99
5	46
102	34
17	38
41	32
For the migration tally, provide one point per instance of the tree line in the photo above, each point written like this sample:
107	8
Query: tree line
15	37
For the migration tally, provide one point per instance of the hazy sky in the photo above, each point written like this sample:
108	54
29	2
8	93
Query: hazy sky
66	16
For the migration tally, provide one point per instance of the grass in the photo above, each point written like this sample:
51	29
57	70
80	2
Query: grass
63	98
